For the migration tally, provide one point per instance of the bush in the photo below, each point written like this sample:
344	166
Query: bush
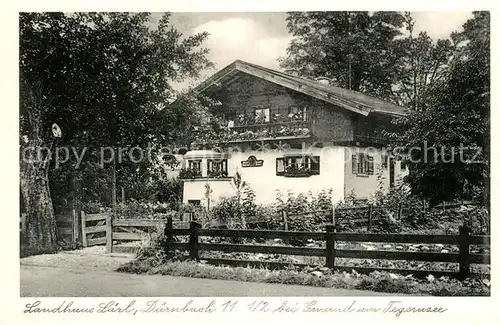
143	210
376	281
226	211
93	207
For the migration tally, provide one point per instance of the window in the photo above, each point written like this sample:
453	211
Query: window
262	115
362	164
194	202
297	166
297	113
384	161
194	165
217	168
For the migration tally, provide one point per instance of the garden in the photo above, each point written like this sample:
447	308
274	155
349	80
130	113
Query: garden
306	212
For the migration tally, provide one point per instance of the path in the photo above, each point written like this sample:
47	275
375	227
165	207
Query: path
89	273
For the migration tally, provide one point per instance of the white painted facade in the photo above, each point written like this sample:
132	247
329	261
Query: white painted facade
264	181
335	173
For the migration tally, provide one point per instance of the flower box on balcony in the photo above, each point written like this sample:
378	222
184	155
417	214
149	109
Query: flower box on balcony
186	173
217	174
297	172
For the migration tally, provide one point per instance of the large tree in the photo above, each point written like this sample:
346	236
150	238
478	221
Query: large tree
422	63
356	50
456	123
102	77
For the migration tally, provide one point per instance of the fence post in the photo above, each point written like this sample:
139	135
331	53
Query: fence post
444	207
193	240
370	214
464	252
330	246
84	234
285	220
423	207
334	222
167	233
109	233
400	209
75	224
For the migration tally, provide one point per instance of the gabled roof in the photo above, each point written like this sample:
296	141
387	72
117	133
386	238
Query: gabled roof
351	100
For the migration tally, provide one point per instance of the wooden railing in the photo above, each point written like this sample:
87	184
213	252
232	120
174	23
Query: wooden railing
330	253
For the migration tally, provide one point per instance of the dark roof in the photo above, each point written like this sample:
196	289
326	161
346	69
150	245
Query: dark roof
351	100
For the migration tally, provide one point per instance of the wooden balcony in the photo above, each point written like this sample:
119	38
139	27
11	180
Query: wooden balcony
371	139
262	132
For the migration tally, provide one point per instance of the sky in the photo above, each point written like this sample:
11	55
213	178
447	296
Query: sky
262	37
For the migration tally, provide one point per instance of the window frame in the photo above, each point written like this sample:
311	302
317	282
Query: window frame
362	164
311	164
221	163
267	118
194	162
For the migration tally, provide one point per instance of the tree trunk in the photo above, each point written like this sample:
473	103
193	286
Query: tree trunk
41	235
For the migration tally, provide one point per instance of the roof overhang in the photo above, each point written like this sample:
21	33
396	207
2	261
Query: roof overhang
353	101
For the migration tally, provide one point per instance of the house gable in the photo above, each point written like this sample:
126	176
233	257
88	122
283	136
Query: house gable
347	99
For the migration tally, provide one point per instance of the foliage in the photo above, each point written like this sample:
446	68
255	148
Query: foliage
448	143
221	133
103	78
188	173
168	191
217	174
248	205
94	207
225	212
143	210
356	50
208	195
304	212
296	171
423	63
376	281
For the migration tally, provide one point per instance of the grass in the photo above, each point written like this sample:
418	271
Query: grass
376	281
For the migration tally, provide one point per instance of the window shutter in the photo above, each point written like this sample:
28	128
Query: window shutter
370	165
314	165
280	166
354	164
362	164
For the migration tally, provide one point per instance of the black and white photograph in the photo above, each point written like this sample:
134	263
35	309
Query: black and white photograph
253	154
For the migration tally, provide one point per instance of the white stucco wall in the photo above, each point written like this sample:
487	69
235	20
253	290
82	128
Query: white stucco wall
364	186
265	183
194	189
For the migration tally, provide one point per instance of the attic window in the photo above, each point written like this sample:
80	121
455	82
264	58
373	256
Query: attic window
262	115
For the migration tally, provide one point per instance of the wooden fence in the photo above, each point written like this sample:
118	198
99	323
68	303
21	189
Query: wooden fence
463	240
94	228
371	213
67	225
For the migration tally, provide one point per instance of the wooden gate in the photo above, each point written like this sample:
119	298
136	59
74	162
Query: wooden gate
68	227
94	228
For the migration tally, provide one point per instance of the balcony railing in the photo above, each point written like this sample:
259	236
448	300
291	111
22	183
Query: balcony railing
186	173
258	132
371	139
